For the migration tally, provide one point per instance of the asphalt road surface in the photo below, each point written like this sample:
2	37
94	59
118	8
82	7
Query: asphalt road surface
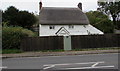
70	63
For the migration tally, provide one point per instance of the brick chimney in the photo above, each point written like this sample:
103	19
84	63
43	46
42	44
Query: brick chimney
40	4
80	5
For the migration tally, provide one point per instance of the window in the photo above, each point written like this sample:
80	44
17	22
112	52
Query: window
71	26
52	27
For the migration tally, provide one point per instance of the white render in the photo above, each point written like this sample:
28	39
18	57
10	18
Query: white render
44	30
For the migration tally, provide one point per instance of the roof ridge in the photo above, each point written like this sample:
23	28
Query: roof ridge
63	7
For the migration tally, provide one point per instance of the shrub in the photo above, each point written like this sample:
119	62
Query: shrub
11	36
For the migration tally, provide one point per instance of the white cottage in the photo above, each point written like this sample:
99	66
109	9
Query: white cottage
59	21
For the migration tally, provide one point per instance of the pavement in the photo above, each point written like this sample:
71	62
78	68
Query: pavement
39	54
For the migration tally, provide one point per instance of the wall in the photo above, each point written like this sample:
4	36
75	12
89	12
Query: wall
77	30
78	42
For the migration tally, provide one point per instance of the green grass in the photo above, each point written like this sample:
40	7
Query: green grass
11	51
89	49
56	50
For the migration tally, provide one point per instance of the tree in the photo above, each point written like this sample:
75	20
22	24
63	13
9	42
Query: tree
110	8
26	19
18	18
95	17
10	15
100	21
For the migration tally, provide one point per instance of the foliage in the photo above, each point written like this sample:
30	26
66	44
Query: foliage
100	21
18	18
91	49
14	51
11	36
26	19
11	51
105	26
10	15
95	16
118	25
5	24
110	8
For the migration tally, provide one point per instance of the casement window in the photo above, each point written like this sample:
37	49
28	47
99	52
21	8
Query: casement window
71	26
52	27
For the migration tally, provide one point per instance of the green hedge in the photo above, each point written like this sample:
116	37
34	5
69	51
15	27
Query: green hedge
11	36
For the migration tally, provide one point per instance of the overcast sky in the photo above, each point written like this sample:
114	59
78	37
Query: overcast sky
33	5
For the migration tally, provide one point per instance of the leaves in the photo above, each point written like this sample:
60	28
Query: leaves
19	18
110	8
12	36
100	21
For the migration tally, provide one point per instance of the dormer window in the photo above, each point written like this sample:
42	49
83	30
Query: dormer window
51	27
71	26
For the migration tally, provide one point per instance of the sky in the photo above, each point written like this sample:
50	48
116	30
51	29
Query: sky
33	5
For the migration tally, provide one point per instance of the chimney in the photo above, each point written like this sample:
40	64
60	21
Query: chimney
40	4
80	5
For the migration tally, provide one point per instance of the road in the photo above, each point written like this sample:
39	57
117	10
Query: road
71	62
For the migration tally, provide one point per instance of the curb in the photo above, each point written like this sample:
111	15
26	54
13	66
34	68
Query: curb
65	53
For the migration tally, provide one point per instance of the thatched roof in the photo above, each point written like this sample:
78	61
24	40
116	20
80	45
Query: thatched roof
57	15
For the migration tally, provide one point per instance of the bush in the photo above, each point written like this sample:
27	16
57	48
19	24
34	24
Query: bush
12	36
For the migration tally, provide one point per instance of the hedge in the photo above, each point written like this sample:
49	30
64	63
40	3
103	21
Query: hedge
11	36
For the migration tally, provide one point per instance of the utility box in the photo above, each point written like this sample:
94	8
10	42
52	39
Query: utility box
67	43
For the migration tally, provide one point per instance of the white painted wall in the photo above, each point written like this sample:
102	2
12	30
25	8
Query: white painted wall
77	30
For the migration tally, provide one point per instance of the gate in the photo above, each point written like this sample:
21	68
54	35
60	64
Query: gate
67	42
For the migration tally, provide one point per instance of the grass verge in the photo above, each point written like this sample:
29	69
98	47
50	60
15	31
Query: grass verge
105	48
86	49
11	51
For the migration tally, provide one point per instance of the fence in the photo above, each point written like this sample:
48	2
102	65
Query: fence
41	43
77	42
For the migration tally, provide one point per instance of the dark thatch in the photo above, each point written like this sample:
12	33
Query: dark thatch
62	16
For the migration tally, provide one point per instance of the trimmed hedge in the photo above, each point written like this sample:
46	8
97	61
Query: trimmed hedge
11	36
